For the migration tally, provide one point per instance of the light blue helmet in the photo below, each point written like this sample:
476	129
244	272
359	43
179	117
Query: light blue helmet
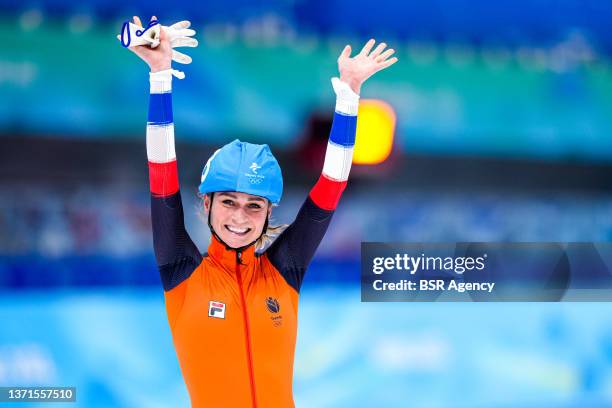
243	167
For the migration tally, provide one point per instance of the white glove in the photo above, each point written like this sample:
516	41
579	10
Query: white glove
179	34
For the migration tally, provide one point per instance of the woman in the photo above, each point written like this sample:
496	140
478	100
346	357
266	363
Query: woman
232	311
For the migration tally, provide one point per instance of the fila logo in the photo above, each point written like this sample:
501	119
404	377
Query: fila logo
216	309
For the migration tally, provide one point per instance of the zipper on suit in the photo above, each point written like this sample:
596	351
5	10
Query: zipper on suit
247	332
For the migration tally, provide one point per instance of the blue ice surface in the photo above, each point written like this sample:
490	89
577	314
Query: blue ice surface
115	347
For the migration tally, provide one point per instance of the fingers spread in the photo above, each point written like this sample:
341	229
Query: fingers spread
346	52
389	62
184	42
377	50
385	55
366	48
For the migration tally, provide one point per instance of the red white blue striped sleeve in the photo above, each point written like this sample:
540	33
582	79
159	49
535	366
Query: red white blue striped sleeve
176	254
163	174
293	250
339	155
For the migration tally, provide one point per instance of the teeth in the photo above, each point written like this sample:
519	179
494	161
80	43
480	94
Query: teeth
237	230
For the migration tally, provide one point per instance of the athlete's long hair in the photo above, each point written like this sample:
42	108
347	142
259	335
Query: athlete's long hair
268	237
264	241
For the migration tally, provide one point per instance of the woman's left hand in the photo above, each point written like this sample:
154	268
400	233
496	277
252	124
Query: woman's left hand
354	71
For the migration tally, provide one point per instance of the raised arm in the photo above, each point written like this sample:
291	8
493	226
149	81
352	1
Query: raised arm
292	252
176	254
354	71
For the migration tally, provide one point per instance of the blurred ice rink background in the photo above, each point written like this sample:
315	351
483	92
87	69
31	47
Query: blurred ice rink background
504	133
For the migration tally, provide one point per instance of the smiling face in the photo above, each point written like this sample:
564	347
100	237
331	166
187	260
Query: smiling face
237	218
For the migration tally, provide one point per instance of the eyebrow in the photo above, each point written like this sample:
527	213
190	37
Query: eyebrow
235	197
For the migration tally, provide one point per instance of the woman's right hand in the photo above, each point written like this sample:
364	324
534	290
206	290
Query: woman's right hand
158	58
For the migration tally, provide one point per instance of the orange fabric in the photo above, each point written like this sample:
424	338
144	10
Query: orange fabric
246	358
